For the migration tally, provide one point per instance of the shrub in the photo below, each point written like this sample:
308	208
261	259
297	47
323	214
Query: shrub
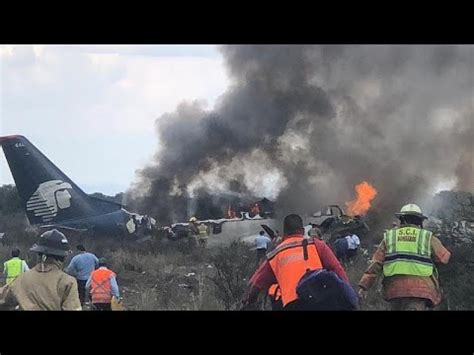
10	202
233	267
355	269
456	279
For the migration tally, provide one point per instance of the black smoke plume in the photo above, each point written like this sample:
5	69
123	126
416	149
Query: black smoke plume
318	120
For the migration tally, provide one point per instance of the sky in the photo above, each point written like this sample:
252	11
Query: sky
91	109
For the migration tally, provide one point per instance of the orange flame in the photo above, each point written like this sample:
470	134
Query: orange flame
230	213
255	210
365	194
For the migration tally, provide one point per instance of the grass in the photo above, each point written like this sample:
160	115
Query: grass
354	271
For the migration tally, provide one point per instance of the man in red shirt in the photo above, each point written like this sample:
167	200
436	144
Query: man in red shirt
287	263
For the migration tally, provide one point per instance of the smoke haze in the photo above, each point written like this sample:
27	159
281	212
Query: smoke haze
305	124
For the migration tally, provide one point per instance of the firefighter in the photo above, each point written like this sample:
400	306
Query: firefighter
406	257
14	267
193	231
45	287
203	235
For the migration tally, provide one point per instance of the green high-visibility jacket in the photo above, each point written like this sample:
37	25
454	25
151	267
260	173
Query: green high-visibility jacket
203	231
13	267
408	252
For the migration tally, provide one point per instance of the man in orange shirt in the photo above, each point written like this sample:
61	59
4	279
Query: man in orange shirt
406	257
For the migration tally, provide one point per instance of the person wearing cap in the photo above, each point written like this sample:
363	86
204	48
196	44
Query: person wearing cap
14	267
102	284
81	267
406	257
45	287
193	231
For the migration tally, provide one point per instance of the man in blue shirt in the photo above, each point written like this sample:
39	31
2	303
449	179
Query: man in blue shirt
81	267
346	247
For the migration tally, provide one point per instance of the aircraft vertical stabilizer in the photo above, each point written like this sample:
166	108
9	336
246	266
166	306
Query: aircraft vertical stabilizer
47	194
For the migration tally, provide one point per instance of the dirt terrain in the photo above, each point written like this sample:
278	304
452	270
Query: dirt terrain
165	275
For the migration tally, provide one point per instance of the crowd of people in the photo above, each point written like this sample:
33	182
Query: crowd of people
49	285
297	270
301	272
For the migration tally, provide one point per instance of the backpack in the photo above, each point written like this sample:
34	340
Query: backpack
324	290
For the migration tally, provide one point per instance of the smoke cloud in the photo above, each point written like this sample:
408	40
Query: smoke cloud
305	124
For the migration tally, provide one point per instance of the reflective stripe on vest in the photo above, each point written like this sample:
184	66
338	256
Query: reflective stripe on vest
202	231
408	252
101	289
288	264
14	268
274	292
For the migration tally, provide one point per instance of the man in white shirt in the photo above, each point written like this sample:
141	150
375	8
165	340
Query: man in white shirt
262	241
353	243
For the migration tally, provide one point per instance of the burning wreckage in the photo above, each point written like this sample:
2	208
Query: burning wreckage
331	222
334	222
59	203
234	211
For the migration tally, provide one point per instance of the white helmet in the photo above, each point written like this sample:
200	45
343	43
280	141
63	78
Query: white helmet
412	210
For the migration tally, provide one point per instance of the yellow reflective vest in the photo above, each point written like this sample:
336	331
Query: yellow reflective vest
203	231
408	252
13	268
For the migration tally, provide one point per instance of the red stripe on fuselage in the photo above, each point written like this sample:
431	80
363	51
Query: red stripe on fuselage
7	138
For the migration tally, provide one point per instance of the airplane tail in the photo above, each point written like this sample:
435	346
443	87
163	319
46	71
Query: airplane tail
47	194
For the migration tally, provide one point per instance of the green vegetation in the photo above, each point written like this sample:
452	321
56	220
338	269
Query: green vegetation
456	279
9	200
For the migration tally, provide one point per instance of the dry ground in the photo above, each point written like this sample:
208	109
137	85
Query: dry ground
163	275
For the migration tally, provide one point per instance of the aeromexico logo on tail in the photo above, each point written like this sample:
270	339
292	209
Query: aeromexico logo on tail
49	198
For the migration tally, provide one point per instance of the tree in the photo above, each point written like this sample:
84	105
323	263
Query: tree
9	200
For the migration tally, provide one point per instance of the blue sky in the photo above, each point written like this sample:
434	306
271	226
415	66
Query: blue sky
91	109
